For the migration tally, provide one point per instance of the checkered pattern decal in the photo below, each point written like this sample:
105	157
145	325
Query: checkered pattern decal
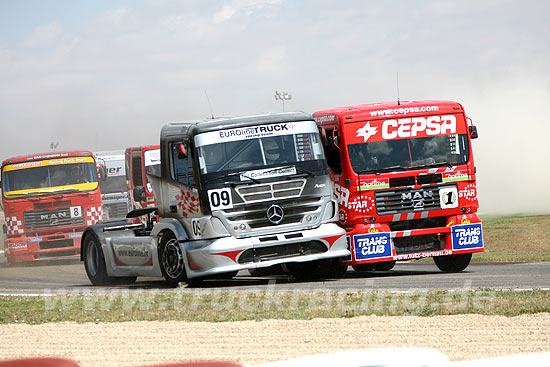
188	202
14	225
94	215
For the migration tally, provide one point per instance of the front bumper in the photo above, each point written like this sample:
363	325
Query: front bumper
230	254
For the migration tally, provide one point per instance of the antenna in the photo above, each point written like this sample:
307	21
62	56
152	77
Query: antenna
209	105
398	101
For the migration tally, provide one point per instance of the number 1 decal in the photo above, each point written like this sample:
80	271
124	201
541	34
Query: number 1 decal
220	199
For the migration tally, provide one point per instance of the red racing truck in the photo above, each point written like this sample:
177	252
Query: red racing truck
141	161
405	182
48	201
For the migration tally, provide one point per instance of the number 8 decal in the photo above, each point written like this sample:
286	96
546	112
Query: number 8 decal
220	199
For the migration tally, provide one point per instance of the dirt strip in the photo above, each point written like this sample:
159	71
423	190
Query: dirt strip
460	337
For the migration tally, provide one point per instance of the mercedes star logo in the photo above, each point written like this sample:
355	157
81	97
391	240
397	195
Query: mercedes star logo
275	214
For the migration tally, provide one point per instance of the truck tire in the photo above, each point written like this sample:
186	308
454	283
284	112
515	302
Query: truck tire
453	263
94	263
363	267
337	269
171	258
384	265
311	270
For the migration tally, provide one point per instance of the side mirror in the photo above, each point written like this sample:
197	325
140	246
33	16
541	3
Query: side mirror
139	193
473	132
335	138
102	172
323	133
4	229
182	153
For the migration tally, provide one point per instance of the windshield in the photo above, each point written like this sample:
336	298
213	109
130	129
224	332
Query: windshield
49	176
302	148
409	153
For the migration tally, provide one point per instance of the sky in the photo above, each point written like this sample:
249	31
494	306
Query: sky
106	75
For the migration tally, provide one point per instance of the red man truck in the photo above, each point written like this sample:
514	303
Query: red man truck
48	200
405	182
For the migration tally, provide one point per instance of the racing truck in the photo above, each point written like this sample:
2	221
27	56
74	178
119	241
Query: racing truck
233	194
48	201
113	187
139	162
405	182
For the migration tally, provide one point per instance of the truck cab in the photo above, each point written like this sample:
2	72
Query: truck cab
232	194
48	201
405	182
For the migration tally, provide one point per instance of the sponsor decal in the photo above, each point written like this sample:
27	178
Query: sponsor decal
151	157
419	255
327	118
134	253
17	245
456	176
361	204
372	229
467	236
36	239
372	246
469	192
404	110
409	127
319	186
377	183
75	235
48	162
267	173
342	195
255	132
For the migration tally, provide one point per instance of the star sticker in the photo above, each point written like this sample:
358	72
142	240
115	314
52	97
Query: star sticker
366	132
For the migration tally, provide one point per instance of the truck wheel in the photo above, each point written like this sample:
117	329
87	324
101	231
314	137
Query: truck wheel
171	257
311	270
94	262
453	263
363	267
384	266
337	270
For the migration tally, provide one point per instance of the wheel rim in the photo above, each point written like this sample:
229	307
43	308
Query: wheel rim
172	259
92	258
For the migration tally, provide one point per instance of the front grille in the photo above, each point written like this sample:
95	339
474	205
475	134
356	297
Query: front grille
43	219
281	251
407	225
423	243
255	215
116	210
56	244
270	191
407	200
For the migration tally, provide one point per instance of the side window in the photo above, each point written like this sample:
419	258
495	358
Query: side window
181	169
136	171
332	152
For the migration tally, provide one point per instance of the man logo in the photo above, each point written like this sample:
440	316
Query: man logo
275	214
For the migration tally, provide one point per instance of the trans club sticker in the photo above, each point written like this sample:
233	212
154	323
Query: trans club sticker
467	236
372	246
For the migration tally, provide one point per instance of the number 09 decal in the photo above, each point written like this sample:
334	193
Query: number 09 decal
220	199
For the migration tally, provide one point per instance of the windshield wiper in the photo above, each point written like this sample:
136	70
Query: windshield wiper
433	165
385	169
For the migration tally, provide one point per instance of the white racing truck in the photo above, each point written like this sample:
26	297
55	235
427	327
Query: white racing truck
234	193
113	188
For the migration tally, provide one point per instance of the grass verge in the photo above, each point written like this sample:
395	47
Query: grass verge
213	306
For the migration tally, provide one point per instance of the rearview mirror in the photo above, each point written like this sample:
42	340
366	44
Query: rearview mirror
473	132
102	172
